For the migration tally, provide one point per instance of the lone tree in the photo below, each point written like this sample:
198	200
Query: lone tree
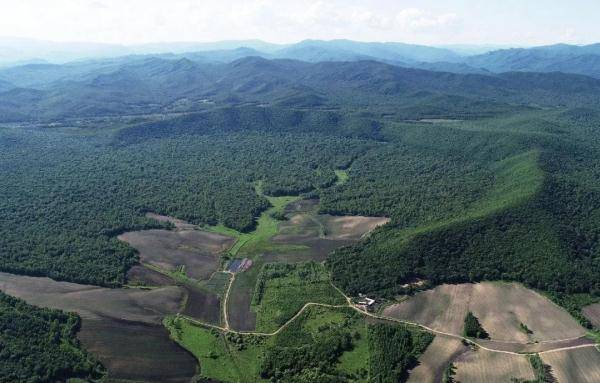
473	328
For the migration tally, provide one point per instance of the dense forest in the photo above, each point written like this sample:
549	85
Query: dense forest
507	197
394	350
39	345
512	198
65	197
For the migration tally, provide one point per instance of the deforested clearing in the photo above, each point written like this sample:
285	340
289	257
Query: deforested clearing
574	366
92	302
328	226
443	308
350	227
178	223
500	307
440	353
492	367
196	250
136	351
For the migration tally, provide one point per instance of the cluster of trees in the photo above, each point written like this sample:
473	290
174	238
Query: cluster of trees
472	328
315	362
542	371
39	345
393	350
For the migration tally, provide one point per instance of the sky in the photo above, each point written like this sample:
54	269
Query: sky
507	22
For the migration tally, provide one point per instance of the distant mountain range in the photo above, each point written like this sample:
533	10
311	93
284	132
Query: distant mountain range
148	84
583	60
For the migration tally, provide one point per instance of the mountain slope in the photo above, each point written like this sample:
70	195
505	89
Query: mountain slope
583	60
153	85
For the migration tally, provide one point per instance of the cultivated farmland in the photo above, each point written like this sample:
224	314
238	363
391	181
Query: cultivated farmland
440	353
197	251
574	366
500	307
492	367
121	327
92	302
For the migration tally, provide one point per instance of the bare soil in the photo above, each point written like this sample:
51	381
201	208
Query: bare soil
202	305
500	307
491	367
142	276
92	302
179	224
432	364
442	308
197	250
137	351
305	225
574	366
350	227
239	312
121	327
317	248
534	347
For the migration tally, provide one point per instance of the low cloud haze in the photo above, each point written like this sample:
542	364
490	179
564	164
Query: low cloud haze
423	22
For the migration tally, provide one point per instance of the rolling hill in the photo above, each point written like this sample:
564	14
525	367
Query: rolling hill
160	85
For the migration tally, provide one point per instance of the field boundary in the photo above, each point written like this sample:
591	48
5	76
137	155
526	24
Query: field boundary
349	304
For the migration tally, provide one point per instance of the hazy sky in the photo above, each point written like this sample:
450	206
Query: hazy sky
523	22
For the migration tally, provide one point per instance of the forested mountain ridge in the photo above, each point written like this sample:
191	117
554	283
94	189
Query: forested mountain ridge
436	181
553	58
158	85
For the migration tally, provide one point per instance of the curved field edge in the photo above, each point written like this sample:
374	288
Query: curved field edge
394	255
39	344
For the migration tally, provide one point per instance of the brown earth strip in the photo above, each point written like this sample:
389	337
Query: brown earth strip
92	302
491	367
574	366
197	250
500	307
439	354
202	305
137	351
139	275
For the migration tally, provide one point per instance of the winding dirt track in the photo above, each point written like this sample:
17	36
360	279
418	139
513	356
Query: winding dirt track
226	298
349	303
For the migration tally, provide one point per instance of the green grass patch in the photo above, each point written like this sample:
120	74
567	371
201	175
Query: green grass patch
342	176
258	241
355	361
222	229
282	289
226	358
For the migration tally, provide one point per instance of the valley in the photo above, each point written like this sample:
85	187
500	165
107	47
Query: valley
289	221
